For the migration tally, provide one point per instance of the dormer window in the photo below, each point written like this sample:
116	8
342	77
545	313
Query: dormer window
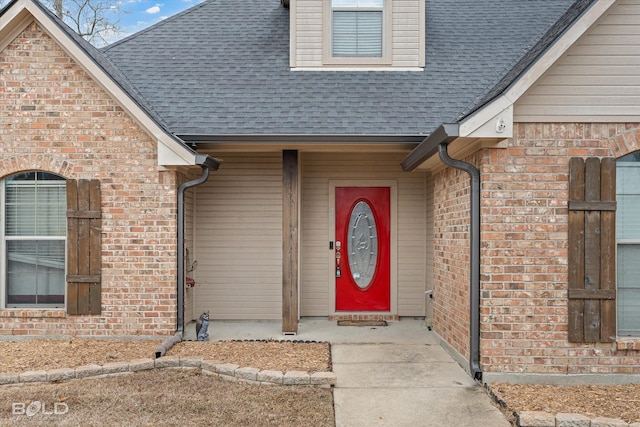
357	28
357	32
357	35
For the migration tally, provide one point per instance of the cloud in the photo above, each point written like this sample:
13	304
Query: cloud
154	9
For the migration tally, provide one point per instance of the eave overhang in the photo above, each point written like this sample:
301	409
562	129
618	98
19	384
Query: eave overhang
206	139
445	133
492	123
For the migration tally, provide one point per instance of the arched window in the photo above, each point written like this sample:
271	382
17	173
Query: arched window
628	244
33	240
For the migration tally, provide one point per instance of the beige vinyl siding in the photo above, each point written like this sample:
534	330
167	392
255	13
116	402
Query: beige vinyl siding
408	30
597	79
430	243
408	34
308	32
189	229
319	169
239	238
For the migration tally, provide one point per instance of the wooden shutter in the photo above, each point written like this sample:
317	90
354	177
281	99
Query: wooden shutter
592	293
83	246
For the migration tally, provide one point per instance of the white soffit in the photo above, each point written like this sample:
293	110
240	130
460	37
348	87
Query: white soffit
17	18
498	126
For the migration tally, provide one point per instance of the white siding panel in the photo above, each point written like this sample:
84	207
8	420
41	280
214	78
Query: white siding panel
239	239
319	169
597	79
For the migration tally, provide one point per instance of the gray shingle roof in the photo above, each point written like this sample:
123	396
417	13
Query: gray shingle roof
222	68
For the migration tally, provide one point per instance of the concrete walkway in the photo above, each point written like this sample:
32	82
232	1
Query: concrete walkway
396	375
406	385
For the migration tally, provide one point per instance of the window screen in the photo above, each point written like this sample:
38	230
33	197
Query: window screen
357	28
34	239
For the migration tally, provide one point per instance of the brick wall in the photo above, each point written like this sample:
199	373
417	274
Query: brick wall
53	117
524	251
451	256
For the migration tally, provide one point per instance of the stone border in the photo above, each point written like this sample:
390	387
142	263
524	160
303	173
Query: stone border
544	419
226	371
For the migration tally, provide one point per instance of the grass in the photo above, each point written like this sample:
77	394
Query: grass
168	397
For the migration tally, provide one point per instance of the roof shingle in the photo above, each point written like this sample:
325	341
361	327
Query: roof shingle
222	68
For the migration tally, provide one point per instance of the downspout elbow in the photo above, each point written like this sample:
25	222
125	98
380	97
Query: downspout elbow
474	338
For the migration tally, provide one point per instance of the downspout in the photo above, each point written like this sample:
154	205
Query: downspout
474	173
208	164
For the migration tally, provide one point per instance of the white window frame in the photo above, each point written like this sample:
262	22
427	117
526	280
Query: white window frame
620	241
387	34
3	255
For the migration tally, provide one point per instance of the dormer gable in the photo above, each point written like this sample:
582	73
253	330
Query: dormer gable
357	34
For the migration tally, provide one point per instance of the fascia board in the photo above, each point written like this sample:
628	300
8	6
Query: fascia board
168	156
485	116
530	77
499	126
11	26
181	154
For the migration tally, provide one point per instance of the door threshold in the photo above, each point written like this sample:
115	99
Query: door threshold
362	323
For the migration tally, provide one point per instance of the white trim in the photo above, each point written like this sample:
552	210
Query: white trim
170	155
13	25
498	126
181	155
422	34
387	39
293	32
334	67
393	242
527	80
3	250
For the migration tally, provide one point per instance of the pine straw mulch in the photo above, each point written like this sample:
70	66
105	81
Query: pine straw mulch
47	354
618	401
611	401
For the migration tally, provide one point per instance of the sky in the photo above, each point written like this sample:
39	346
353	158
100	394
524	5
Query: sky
135	15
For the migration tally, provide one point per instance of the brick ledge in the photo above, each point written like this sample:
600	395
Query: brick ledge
226	371
627	344
14	313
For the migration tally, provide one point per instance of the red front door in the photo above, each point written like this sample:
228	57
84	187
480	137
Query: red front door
363	278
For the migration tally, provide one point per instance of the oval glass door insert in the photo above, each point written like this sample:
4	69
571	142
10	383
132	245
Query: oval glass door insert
362	244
